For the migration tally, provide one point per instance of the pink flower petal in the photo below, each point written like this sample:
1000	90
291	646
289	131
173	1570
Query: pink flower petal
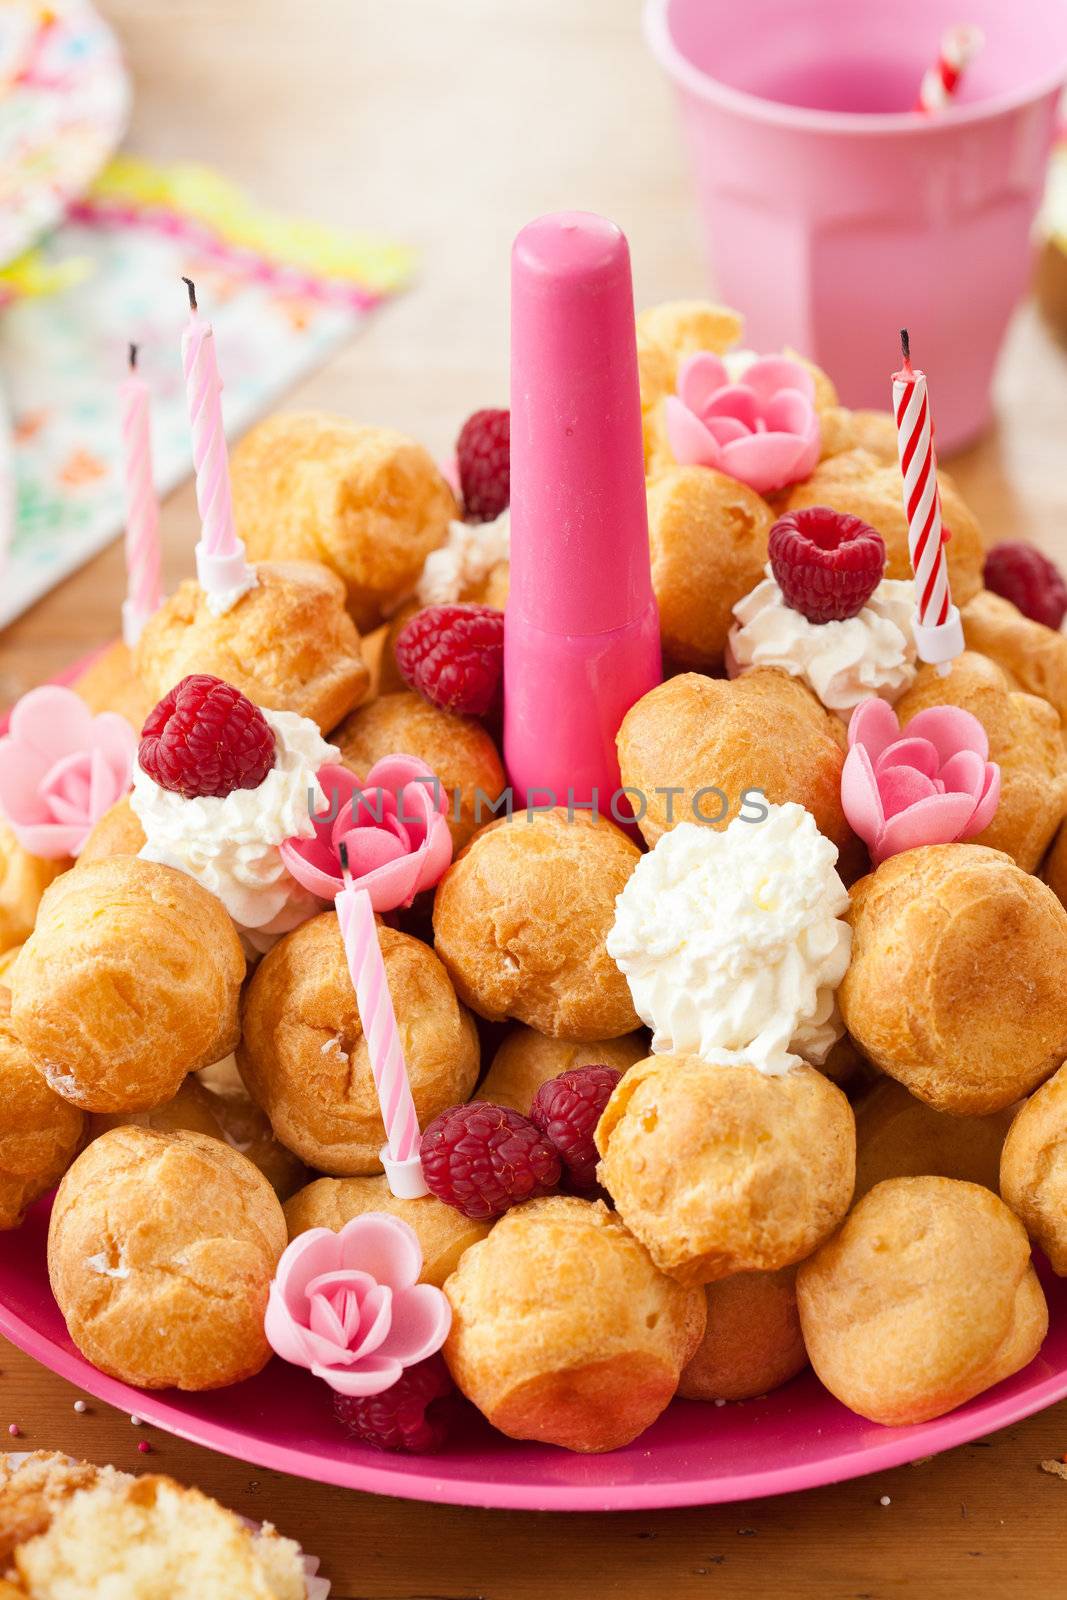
986	809
422	1317
314	866
305	1258
788	412
286	1336
939	819
965	773
392	885
396	772
765	461
874	725
384	1246
724	430
438	855
372	1376
859	795
691	443
770	374
51	721
901	787
699	377
370	848
735	402
917	753
324	1321
950	728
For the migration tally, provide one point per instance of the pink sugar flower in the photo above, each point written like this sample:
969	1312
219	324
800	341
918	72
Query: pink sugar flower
763	430
61	768
393	824
349	1306
931	784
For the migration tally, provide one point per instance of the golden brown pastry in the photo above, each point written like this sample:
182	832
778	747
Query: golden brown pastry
118	833
753	1342
161	1250
143	1538
1054	870
23	880
563	1331
683	327
367	502
288	644
246	1128
39	1132
443	1232
708	535
304	1059
1033	1169
129	981
109	683
33	1489
923	1299
457	749
763	732
860	484
189	1112
958	981
1025	738
898	1136
725	1169
1032	657
526	1059
521	919
875	432
7	961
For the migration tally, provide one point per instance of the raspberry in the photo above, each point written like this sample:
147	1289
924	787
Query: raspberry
454	655
412	1415
826	564
205	738
483	1159
483	455
1021	574
567	1110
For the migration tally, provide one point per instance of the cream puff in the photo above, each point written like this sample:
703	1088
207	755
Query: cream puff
722	1169
161	1250
443	1232
707	750
189	1112
898	1136
588	1365
521	919
1032	657
1033	1169
118	833
457	749
304	1058
1026	741
23	880
875	432
129	981
708	536
923	1299
958	981
526	1059
288	644
110	683
753	1342
864	486
39	1132
245	1127
367	502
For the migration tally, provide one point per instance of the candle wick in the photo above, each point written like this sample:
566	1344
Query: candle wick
191	286
346	873
133	357
905	349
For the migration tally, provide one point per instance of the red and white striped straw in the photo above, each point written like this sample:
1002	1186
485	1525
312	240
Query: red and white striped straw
959	47
937	625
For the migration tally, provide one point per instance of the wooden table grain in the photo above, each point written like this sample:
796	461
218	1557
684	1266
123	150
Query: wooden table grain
450	123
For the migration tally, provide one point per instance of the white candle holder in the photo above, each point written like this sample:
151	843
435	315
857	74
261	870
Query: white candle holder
941	642
224	579
405	1178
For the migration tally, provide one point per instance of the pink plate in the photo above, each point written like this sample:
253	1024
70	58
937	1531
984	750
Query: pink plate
797	1438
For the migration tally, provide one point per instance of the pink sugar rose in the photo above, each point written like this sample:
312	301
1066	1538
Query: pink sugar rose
61	768
393	824
933	784
349	1306
763	430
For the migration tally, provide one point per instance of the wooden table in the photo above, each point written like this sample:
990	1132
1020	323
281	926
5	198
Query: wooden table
450	123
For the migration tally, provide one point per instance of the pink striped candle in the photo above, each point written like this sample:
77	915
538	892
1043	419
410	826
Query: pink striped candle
937	626
959	46
143	555
222	569
400	1153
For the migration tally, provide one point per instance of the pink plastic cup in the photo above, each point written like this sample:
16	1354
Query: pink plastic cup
834	214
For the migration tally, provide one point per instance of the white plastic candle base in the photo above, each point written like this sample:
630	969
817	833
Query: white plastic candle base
940	644
224	579
405	1178
133	621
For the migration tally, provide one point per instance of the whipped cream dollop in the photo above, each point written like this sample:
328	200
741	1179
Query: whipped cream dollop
872	653
464	561
732	943
229	844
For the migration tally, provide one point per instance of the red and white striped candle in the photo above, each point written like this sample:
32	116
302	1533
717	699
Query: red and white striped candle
400	1154
222	569
937	626
143	555
959	46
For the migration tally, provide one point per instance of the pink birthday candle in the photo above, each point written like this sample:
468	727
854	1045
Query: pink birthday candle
222	569
400	1154
143	556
